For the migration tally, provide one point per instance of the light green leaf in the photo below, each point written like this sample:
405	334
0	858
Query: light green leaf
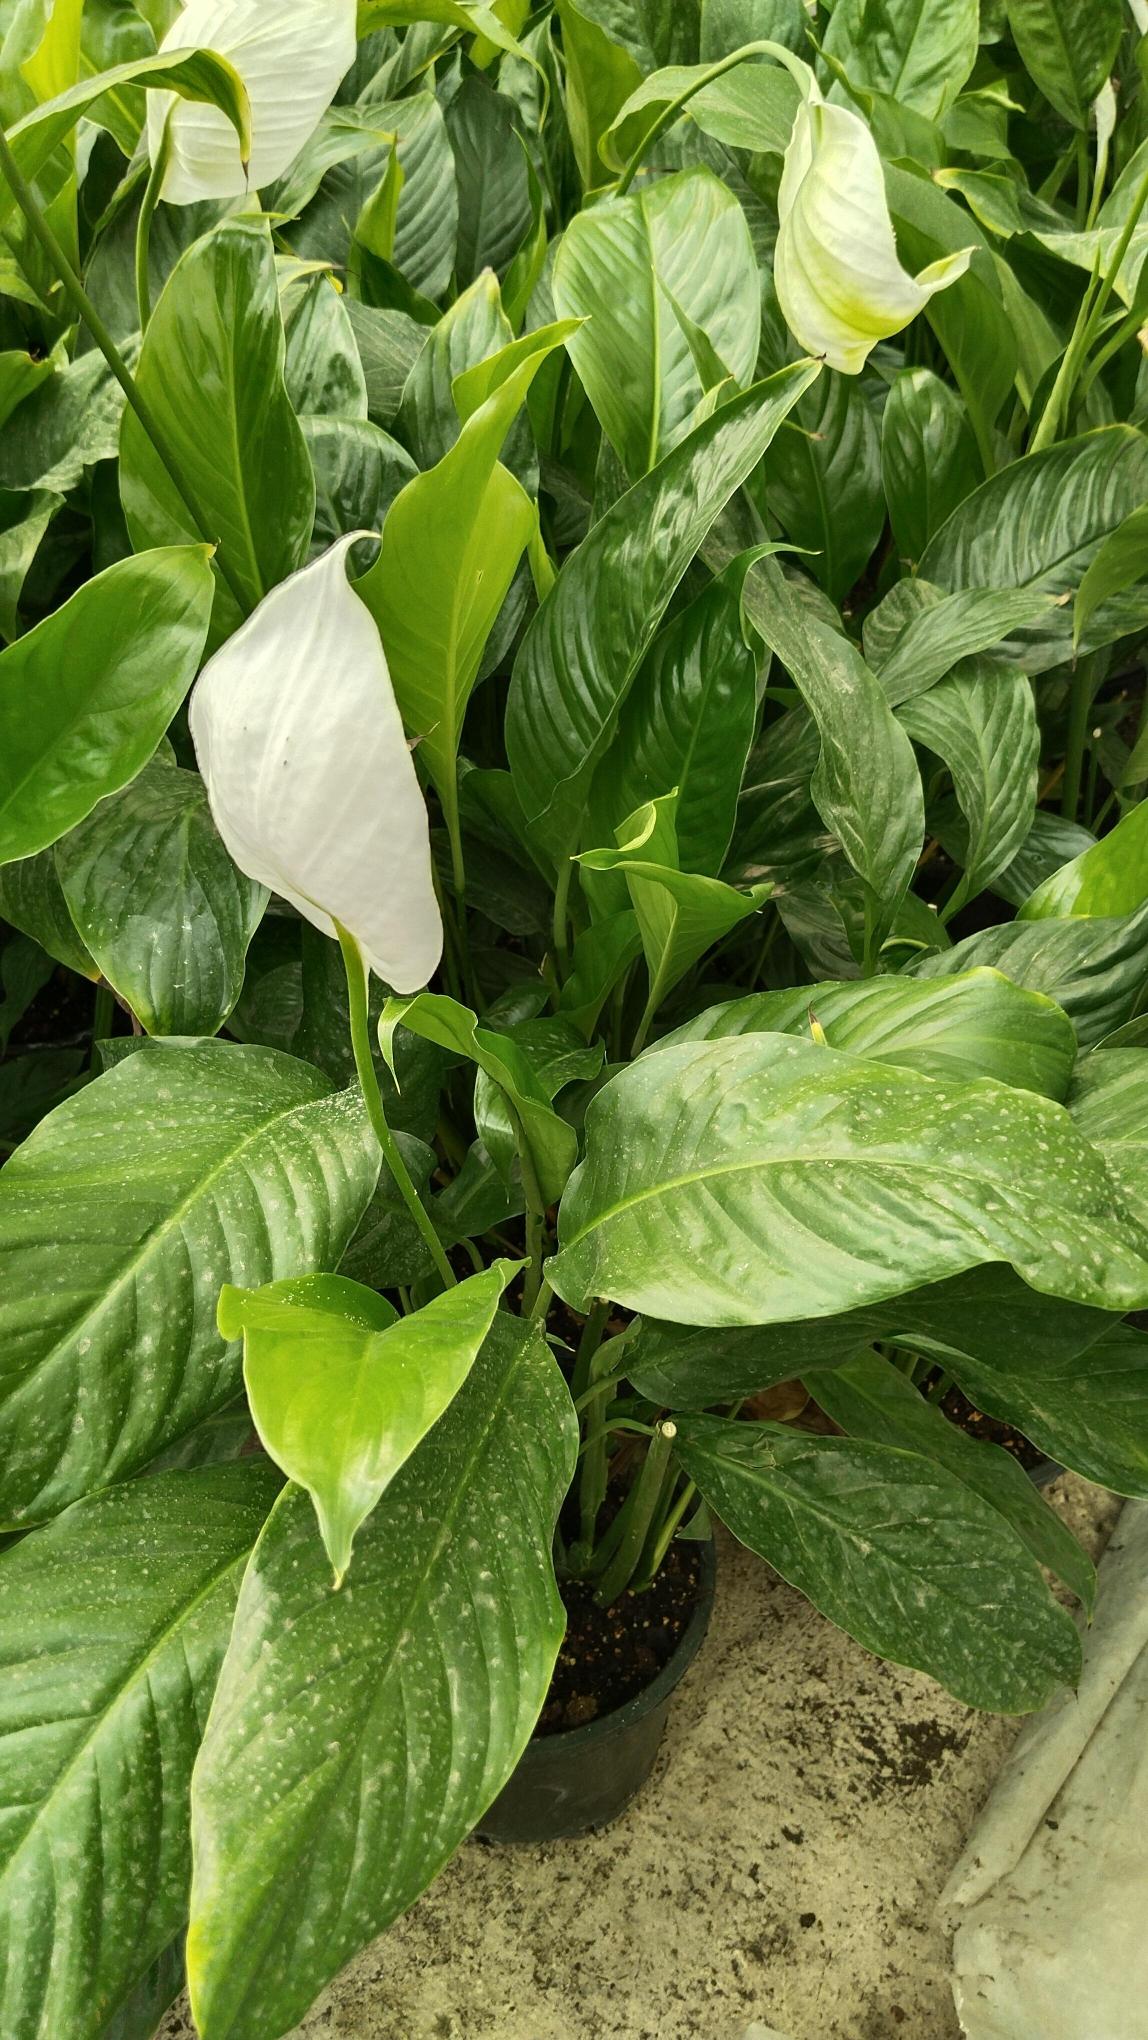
1109	879
600	76
872	1400
113	1624
86	696
1052	841
680	915
468	15
978	1024
68	424
24	520
473	330
342	1390
451	546
1095	969
20	374
192	74
755	1180
688	722
584	648
211	369
897	1551
159	903
625	267
918	51
1109	1103
1039	524
550	1143
120	1220
1068	47
981	722
929	459
824	482
751	107
321	1809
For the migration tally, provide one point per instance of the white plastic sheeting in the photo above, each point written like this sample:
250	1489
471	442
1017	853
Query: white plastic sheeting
1050	1899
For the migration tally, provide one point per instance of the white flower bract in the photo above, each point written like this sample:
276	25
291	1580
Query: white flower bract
291	56
309	774
839	278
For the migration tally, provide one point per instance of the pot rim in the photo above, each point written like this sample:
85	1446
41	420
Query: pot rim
571	1740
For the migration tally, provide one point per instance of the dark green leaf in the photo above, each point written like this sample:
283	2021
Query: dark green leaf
929	459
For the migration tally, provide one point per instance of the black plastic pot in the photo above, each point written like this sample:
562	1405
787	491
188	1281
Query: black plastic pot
584	1777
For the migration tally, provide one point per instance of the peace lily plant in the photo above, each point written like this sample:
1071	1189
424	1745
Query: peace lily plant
574	874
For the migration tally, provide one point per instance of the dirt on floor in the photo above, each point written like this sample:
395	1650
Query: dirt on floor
780	1870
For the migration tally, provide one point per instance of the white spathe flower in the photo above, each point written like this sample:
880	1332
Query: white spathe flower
839	279
309	775
290	54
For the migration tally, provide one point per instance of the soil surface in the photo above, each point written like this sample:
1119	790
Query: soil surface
960	1410
611	1654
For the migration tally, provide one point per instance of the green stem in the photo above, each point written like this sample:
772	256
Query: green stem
638	1508
535	1222
592	1334
666	1535
26	200
103	1018
151	199
594	1469
356	971
562	913
1080	703
669	114
1087	325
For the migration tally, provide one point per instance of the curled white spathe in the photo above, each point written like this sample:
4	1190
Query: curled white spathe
290	54
839	279
309	774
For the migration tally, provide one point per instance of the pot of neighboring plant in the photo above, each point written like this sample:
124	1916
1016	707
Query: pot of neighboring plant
571	1778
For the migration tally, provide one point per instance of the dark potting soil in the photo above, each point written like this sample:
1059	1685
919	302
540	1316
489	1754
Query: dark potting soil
610	1655
961	1412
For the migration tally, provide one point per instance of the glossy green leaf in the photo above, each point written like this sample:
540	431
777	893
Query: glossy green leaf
918	51
1110	878
121	1218
159	903
981	722
947	629
929	459
342	1390
211	369
680	914
1095	969
751	107
583	650
1039	524
688	723
969	318
20	374
451	546
32	899
550	1143
824	482
1109	1103
113	1625
24	521
627	267
473	330
978	1024
1068	47
192	74
983	1314
600	75
764	1178
322	369
1052	841
1088	1411
896	1550
469	15
359	472
67	425
1121	561
86	696
652	33
322	1808
872	1400
866	785
493	179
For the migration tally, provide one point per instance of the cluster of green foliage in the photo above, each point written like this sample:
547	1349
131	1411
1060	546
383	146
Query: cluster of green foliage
783	738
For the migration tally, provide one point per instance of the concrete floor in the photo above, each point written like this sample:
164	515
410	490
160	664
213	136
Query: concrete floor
780	1870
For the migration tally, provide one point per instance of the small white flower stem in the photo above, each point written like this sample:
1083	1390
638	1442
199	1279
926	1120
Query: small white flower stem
356	970
669	114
